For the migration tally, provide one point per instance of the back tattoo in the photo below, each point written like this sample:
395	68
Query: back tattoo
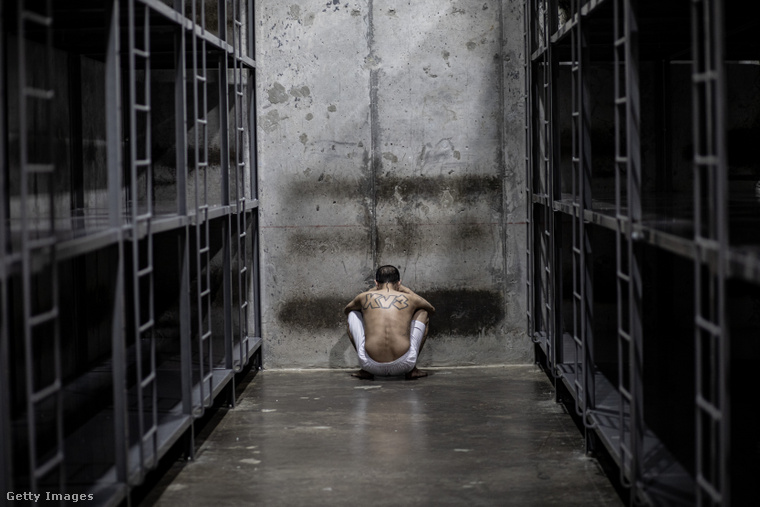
386	302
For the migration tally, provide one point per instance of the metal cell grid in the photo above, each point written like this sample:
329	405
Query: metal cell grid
146	388
565	58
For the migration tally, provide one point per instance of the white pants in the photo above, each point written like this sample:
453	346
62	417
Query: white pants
400	366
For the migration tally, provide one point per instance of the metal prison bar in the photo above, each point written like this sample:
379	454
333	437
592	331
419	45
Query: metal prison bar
202	227
145	396
5	422
546	235
583	366
552	225
533	42
711	243
38	258
528	96
538	185
254	324
659	464
114	134
553	180
627	254
141	207
542	189
240	83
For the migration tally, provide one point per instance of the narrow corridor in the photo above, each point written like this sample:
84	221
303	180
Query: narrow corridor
462	436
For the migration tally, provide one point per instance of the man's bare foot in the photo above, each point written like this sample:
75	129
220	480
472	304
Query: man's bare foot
415	374
364	375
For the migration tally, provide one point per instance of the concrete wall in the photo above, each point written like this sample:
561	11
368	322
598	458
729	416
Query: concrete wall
392	133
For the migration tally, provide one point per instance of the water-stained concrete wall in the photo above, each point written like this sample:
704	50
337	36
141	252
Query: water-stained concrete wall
391	132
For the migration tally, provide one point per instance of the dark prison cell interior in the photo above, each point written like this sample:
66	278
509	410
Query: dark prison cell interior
644	206
129	281
129	287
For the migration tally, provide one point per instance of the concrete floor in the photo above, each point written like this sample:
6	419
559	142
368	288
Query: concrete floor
462	436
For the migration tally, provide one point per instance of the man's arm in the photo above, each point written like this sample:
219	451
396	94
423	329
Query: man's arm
354	305
406	290
422	303
425	305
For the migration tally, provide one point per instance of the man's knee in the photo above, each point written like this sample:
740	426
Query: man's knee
421	316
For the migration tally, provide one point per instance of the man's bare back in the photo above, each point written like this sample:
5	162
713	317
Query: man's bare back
388	312
388	327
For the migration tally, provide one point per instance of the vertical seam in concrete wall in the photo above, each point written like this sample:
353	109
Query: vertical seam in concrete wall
505	220
374	150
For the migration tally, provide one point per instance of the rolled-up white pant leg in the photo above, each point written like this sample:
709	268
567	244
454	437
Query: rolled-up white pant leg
416	333
356	326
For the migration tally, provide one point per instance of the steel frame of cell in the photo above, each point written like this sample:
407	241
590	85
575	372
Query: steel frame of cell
6	462
240	85
32	261
141	216
189	405
528	13
582	334
554	182
255	289
202	227
709	250
712	410
541	188
538	162
628	262
38	253
114	154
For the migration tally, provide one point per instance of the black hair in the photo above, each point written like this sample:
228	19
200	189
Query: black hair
387	274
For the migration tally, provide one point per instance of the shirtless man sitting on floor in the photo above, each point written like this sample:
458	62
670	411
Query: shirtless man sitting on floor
388	327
